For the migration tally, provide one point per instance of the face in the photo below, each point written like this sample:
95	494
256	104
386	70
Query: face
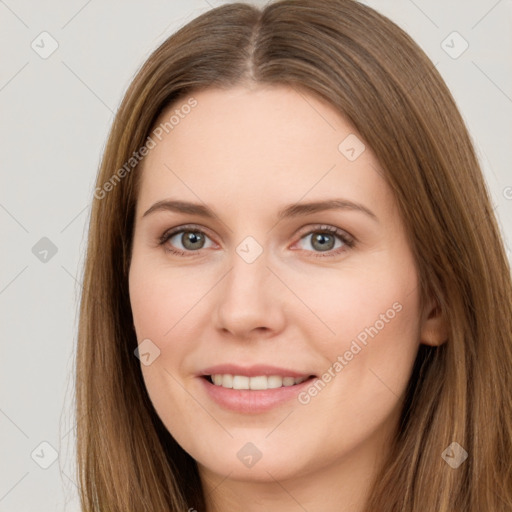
279	337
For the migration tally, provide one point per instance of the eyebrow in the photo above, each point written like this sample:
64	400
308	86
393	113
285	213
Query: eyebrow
290	211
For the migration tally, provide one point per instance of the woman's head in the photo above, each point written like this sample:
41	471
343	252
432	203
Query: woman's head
252	113
255	288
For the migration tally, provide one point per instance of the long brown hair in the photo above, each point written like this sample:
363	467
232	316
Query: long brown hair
380	80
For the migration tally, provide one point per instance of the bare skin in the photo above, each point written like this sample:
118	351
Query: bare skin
247	153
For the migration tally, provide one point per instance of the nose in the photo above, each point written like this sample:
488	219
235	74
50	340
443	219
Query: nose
250	299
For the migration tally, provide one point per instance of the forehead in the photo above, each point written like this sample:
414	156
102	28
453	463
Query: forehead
280	119
274	142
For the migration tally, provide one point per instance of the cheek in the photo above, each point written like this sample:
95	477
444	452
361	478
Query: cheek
166	307
375	322
163	298
162	301
368	361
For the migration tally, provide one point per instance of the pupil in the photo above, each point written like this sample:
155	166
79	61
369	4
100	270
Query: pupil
321	239
192	238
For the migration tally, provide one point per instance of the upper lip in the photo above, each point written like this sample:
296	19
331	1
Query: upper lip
252	371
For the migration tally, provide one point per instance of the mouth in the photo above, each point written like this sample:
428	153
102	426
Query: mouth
256	383
253	390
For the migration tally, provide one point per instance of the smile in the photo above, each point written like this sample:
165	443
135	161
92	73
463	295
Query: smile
257	383
252	390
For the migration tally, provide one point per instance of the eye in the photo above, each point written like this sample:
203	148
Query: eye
324	241
191	239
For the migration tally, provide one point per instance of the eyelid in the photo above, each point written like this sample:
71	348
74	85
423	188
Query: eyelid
312	228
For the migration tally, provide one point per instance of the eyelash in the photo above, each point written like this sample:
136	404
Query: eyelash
348	241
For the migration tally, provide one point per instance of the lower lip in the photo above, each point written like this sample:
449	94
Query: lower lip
253	401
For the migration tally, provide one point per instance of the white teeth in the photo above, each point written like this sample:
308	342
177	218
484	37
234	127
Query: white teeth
258	382
261	382
226	381
274	381
288	381
239	382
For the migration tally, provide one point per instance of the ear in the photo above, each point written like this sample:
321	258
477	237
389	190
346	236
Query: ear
434	327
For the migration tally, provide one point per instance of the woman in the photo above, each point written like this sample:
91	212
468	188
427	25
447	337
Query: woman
295	291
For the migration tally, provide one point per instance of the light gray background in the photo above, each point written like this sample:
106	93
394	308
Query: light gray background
55	116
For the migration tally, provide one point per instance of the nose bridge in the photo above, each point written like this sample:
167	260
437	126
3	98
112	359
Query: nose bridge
249	275
249	299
